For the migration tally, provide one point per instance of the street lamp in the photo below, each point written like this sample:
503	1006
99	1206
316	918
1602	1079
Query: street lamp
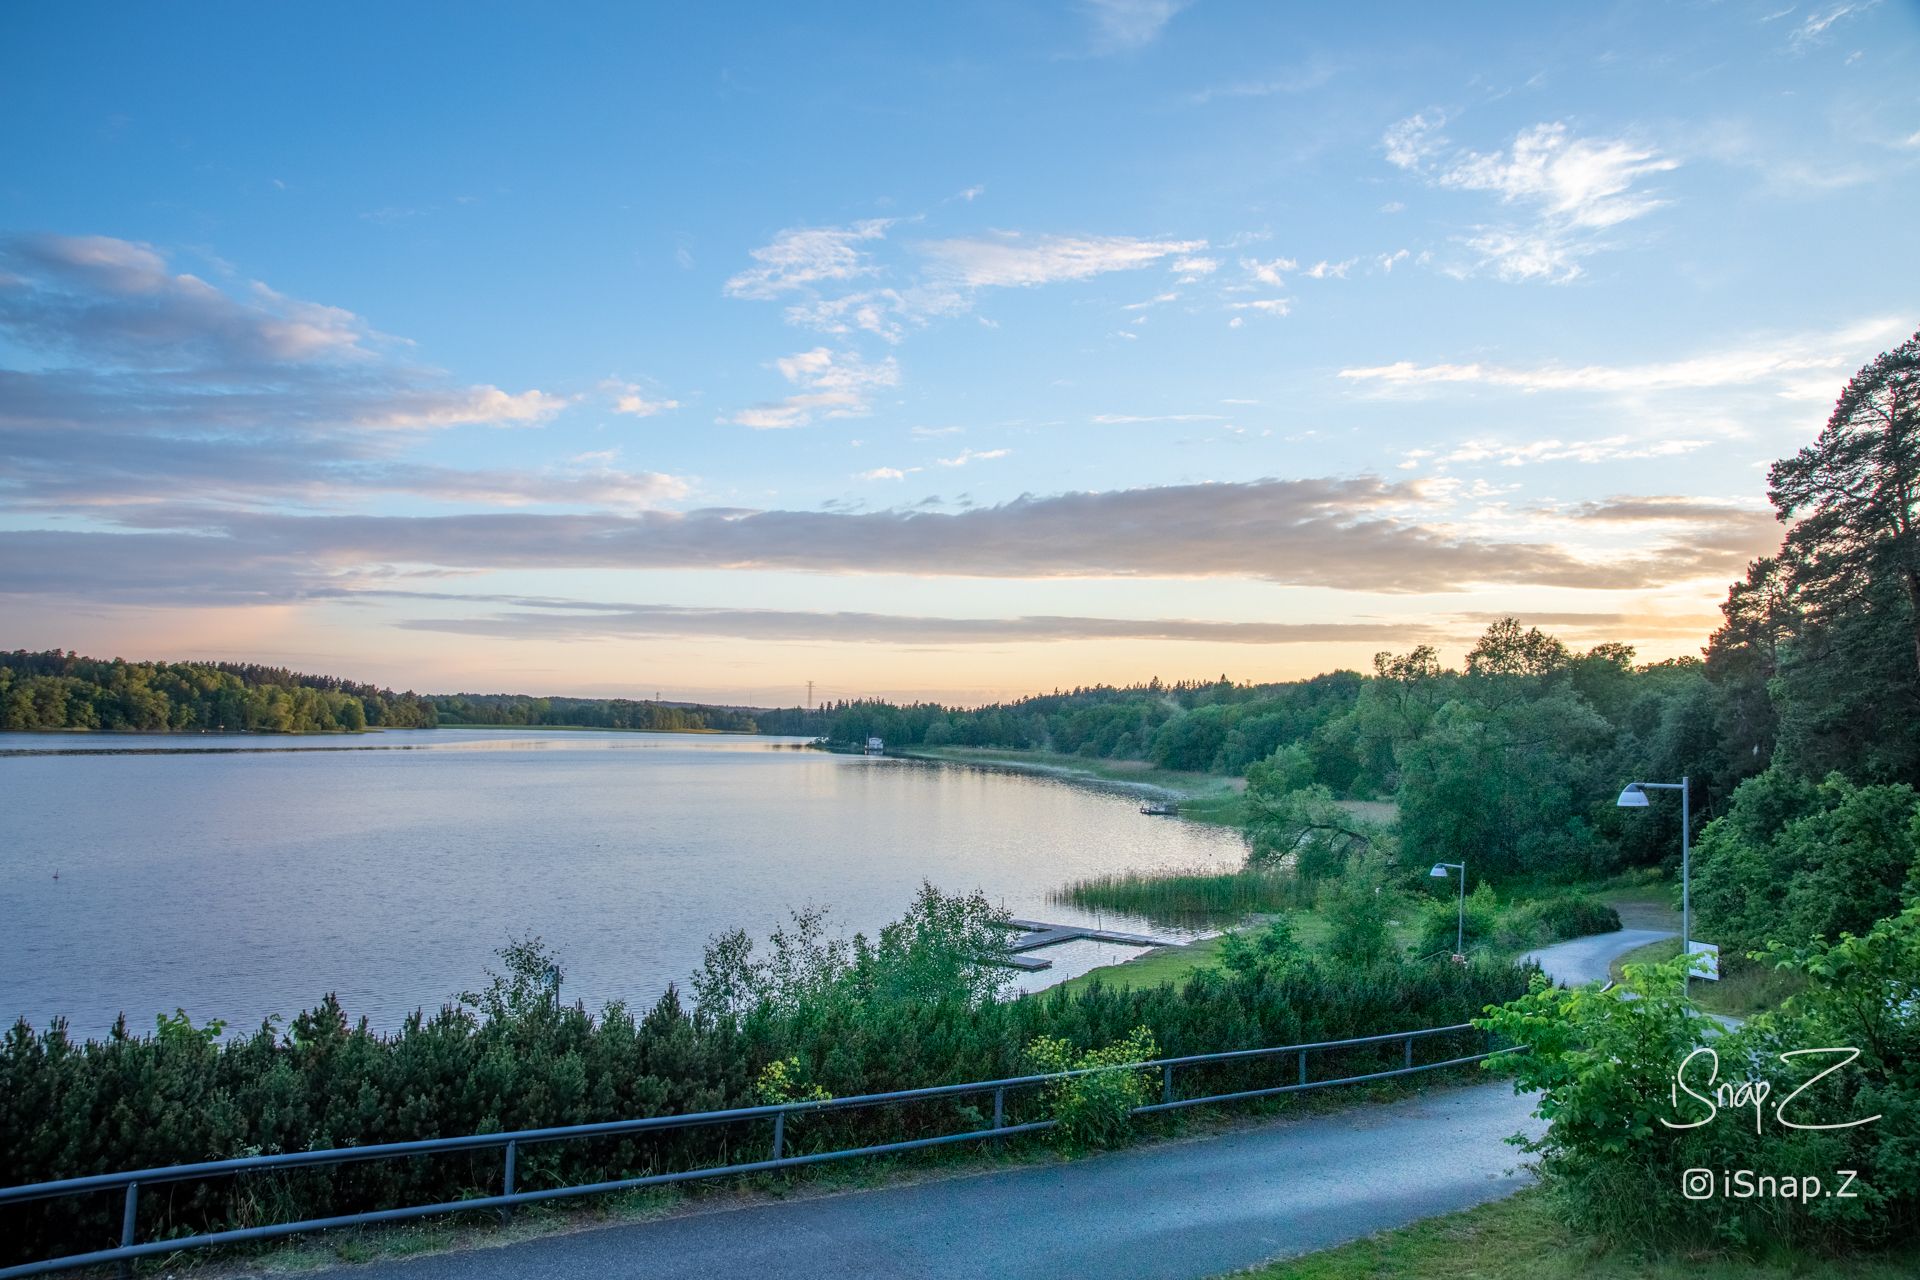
1439	872
1635	797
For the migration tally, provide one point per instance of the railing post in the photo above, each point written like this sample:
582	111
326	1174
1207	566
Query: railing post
1303	1066
129	1219
1409	1053
1166	1083
779	1135
1000	1108
506	1182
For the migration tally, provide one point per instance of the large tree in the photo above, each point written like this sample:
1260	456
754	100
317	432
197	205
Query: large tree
1852	494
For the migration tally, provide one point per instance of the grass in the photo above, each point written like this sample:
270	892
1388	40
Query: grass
1520	1239
1189	897
1204	797
1744	988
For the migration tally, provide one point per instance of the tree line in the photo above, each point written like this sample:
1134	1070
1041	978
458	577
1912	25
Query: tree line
592	713
62	690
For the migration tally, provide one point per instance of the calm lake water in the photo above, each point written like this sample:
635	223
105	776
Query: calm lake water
138	874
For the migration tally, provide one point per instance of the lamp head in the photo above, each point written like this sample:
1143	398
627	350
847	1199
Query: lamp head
1439	871
1633	797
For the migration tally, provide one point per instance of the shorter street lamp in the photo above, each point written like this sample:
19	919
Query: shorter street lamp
1439	872
1635	797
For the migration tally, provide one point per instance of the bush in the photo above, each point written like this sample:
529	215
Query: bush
1512	926
1620	1137
1094	1111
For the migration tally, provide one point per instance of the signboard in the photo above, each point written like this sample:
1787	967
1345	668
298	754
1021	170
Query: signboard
1706	960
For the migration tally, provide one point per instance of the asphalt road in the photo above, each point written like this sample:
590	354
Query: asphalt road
1586	959
1171	1211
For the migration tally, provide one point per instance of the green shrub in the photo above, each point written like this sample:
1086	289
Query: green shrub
1094	1111
1511	926
1605	1064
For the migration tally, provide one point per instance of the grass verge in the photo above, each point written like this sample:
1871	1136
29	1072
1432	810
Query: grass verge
1519	1238
1744	988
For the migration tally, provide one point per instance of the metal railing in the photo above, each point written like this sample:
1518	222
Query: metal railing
131	1182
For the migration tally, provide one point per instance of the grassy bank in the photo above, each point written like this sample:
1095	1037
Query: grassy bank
1744	988
1520	1239
1203	797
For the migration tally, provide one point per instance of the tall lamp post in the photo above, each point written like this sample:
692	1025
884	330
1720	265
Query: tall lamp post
1439	872
1635	797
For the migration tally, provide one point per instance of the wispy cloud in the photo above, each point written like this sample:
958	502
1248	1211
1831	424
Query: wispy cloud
1013	259
631	399
800	257
1779	362
1324	270
1269	271
833	384
965	456
1815	27
1574	188
1121	25
1121	419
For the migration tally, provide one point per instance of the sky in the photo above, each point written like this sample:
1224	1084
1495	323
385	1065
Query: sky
951	352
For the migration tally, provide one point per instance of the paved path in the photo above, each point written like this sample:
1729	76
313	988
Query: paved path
1586	959
1177	1210
1171	1211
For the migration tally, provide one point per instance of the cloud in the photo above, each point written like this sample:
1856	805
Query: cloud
885	313
631	399
1760	363
1191	268
151	382
832	385
116	300
557	620
1324	270
884	473
1119	419
1268	273
1265	306
800	257
1011	258
1360	534
1319	73
1655	508
1819	22
1121	25
1573	187
965	456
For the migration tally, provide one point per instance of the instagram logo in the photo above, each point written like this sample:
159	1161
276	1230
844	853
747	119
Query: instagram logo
1697	1184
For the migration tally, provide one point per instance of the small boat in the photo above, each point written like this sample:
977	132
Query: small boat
1161	808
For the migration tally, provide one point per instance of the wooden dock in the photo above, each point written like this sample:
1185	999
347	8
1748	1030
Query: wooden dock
1035	934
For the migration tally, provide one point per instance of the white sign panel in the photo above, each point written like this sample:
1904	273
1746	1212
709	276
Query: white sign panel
1706	960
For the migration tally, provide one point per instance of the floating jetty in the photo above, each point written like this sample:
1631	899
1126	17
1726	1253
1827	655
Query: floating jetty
1035	934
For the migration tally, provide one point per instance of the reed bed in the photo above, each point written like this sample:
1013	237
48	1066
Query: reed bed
1189	897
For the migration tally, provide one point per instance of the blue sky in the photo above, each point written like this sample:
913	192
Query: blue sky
951	352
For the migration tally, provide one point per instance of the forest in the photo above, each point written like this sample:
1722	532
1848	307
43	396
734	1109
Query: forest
55	690
591	713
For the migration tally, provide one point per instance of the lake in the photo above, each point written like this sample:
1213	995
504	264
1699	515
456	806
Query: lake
240	876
